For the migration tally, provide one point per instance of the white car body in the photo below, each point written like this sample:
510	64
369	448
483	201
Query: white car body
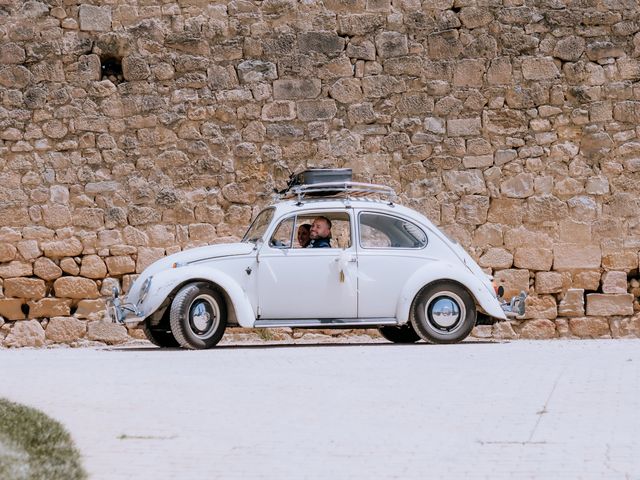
264	285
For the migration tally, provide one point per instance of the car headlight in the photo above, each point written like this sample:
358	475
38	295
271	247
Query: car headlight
144	291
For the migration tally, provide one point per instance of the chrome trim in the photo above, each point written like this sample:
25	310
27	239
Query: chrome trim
324	322
515	307
450	314
144	290
123	313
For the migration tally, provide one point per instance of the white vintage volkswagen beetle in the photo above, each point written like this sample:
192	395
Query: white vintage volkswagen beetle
387	267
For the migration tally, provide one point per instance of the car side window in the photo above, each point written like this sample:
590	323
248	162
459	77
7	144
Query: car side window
340	228
283	235
386	231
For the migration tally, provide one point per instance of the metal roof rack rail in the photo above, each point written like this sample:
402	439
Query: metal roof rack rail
349	190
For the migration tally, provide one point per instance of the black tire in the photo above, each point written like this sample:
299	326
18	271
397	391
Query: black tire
402	334
443	312
198	316
161	337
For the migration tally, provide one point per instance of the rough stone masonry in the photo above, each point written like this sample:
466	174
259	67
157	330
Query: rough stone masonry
131	129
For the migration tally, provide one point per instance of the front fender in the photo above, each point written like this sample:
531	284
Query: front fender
165	281
439	271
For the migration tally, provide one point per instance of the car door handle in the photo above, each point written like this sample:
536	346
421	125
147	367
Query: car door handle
350	259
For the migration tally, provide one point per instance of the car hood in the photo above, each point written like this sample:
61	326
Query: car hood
198	254
189	256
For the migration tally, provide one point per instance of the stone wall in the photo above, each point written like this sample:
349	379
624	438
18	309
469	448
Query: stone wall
131	129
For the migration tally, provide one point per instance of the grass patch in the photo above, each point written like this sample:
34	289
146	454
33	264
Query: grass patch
35	447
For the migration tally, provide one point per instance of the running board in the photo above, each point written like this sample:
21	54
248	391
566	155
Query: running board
325	322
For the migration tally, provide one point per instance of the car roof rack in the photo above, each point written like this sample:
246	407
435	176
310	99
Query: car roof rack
350	190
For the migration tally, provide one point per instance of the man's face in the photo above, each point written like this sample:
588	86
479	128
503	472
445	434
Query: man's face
304	236
320	229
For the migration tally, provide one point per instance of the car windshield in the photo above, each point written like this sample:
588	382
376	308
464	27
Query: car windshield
259	226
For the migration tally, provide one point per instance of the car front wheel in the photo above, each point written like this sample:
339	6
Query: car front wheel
402	334
198	316
444	313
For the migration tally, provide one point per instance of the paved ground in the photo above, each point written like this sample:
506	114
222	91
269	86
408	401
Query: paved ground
557	409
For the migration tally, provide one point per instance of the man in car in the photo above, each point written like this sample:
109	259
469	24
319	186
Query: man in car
320	233
304	235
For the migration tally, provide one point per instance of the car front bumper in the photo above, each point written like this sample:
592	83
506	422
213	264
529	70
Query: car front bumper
123	313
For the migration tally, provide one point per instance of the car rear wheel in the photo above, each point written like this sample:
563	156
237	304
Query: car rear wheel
198	316
402	334
444	313
159	337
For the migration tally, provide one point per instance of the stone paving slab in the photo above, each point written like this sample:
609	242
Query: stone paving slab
559	409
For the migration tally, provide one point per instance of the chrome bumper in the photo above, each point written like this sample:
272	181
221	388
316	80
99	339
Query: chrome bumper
123	313
515	307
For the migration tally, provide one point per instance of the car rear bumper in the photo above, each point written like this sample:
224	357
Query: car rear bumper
515	307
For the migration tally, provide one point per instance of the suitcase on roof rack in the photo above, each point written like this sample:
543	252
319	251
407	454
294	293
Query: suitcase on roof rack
320	175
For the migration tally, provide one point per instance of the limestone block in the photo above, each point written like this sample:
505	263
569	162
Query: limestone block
477	161
28	333
569	48
89	69
541	307
500	71
407	65
15	269
474	17
106	332
503	330
49	307
75	287
7	252
514	281
574	256
539	68
327	43
621	260
120	264
296	89
539	329
599	50
444	45
468	73
364	50
68	247
95	19
252	71
46	269
496	258
11	309
464	182
589	327
625	327
603	305
415	104
278	111
146	256
346	90
313	110
91	309
380	86
135	68
56	216
25	288
506	211
482	331
472	210
12	53
533	258
391	44
65	329
520	186
29	249
614	282
586	280
548	282
462	127
572	304
69	265
93	266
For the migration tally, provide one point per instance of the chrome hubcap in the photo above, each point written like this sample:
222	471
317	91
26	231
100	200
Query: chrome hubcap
204	315
445	312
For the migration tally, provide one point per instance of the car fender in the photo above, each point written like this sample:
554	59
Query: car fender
439	271
165	281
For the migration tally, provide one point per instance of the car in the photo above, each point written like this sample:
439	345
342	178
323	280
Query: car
383	266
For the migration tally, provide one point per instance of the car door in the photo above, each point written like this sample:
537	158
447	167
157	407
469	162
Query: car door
302	283
390	250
